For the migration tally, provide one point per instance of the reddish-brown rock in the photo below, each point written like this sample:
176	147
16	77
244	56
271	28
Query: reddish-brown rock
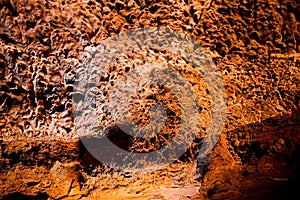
255	45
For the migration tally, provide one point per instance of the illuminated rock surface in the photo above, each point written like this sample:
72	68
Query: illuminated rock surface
255	45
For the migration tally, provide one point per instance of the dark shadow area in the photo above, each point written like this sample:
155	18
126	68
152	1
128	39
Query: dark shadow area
274	153
20	196
99	146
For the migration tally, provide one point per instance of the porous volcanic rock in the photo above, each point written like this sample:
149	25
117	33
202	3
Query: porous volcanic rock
255	46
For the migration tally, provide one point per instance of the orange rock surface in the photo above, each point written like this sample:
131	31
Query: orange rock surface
255	46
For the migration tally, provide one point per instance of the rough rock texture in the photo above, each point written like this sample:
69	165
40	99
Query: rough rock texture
261	161
255	45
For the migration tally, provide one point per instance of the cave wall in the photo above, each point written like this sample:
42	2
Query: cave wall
255	45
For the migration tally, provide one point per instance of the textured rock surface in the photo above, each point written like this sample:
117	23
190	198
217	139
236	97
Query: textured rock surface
255	45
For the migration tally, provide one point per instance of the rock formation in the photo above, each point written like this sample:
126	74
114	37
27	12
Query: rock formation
255	46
